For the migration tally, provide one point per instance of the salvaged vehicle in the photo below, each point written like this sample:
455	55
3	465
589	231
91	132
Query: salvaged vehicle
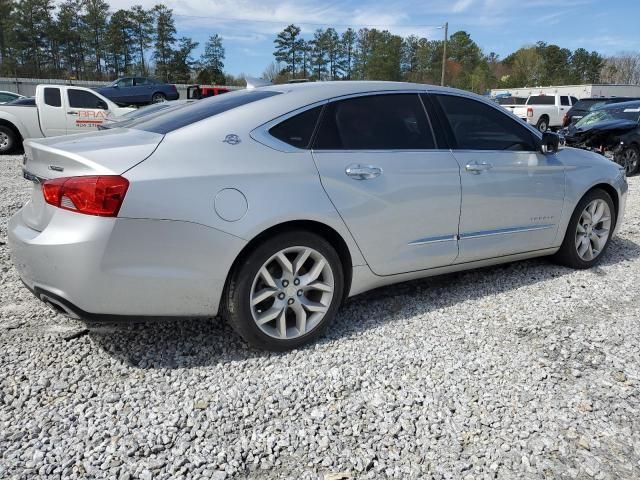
272	205
139	91
613	131
57	110
586	105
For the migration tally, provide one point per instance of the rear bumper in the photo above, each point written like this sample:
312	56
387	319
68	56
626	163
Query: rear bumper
97	268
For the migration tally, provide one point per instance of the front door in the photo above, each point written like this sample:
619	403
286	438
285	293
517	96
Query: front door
85	111
512	195
398	194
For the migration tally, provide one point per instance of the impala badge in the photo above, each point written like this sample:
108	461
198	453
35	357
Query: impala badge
232	139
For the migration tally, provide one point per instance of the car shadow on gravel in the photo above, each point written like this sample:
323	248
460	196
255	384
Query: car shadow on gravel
187	343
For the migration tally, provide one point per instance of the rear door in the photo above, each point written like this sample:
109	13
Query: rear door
51	111
397	192
85	110
143	89
512	195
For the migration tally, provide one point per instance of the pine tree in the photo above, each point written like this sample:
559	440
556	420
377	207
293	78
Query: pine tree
288	48
165	37
212	61
142	32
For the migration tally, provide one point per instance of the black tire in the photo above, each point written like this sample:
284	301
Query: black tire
629	158
158	97
543	123
568	253
8	140
236	304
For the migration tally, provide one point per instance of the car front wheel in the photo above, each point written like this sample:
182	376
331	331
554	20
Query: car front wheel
589	231
286	292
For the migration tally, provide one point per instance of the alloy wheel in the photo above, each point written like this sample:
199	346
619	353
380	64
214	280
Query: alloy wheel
292	292
630	158
4	140
593	229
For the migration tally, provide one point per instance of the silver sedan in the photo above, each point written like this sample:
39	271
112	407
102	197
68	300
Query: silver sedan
272	205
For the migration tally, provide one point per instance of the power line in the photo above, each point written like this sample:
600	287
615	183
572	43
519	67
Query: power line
245	20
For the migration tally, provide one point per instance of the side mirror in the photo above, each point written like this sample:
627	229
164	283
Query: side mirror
551	143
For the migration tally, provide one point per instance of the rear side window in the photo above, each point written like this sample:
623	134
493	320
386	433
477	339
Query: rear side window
52	97
476	126
564	101
376	122
298	130
202	109
84	99
541	100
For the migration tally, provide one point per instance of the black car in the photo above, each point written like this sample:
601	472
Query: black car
586	105
612	130
23	101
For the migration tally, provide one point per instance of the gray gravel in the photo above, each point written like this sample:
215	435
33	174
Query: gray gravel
525	371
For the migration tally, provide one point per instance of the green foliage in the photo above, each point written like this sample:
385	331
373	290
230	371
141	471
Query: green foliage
212	62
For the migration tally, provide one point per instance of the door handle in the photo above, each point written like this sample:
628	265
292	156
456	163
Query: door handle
476	168
72	113
363	172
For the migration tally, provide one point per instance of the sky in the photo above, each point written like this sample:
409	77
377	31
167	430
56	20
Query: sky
248	27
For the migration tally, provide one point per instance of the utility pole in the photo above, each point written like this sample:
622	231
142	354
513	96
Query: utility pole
444	51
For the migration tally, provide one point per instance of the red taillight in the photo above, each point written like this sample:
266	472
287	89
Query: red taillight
529	112
91	195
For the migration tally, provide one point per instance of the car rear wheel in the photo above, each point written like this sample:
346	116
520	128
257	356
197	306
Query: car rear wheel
286	292
158	97
543	124
589	231
8	140
630	160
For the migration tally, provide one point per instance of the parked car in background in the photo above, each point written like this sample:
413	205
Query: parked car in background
266	204
56	110
138	91
23	101
6	97
586	105
544	111
612	130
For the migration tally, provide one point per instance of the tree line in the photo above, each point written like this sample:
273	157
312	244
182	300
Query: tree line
85	40
372	54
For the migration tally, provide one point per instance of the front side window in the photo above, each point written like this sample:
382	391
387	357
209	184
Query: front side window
84	99
52	97
297	130
564	101
477	126
375	122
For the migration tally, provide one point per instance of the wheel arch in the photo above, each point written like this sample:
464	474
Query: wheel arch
7	123
613	193
321	229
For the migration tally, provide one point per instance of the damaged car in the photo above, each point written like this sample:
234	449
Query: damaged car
612	131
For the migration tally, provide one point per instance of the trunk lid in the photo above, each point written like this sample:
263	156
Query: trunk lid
109	152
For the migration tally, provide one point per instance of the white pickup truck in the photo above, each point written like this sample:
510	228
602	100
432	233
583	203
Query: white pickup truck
544	111
58	110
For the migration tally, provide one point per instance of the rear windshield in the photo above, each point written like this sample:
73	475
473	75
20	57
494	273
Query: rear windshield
511	101
200	110
542	100
587	104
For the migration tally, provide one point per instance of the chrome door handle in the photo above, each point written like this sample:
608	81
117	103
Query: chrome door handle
363	172
72	113
475	167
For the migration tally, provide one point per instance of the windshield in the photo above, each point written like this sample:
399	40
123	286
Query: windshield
631	113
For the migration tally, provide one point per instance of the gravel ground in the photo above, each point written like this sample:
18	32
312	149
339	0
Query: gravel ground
524	371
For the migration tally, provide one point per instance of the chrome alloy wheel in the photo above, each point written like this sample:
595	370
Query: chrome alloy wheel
593	229
4	140
292	292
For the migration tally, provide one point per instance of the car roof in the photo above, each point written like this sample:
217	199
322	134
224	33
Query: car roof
617	105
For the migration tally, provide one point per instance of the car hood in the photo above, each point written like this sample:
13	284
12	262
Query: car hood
604	126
